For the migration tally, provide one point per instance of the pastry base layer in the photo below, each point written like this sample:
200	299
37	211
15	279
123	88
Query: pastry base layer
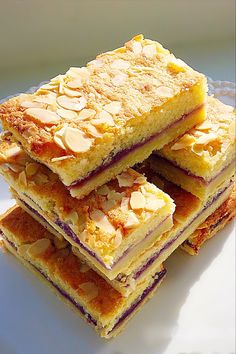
213	224
135	306
55	229
138	153
194	184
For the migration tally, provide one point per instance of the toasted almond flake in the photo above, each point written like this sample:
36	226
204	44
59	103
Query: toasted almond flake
56	80
140	180
150	50
40	178
103	117
186	141
31	104
49	99
132	220
153	203
60	243
59	142
66	114
22	179
75	104
206	125
76	140
86	113
206	138
136	47
73	217
31	169
82	73
104	76
97	63
119	79
84	236
101	221
84	268
114	195
108	204
61	158
38	247
125	180
90	289
124	204
176	65
77	83
113	107
43	115
12	151
137	200
164	91
103	190
120	64
118	238
71	93
93	131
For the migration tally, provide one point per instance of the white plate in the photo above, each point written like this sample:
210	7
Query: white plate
192	312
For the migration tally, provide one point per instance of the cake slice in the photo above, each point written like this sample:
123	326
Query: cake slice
202	160
213	224
104	308
109	227
94	122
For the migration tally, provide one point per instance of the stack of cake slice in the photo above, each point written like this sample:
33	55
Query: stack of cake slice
202	162
94	228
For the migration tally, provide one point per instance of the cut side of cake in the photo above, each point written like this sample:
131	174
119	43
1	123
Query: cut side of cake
100	305
109	227
94	122
201	160
213	224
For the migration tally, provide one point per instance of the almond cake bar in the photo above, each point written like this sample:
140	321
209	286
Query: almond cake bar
213	224
100	305
203	159
94	122
109	227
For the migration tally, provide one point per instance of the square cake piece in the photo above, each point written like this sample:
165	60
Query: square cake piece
94	122
109	227
213	224
98	303
203	159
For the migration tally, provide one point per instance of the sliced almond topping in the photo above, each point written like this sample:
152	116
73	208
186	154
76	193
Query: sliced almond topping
39	247
113	107
114	195
43	115
60	243
97	63
93	131
164	91
48	87
75	104
67	114
206	138
12	151
40	179
73	217
76	140
103	118
119	79
176	65
137	200
124	204
71	93
120	64
86	113
140	180
31	169
186	141
47	99
84	236
22	249
30	104
78	73
206	125
109	204
118	238
132	220
104	76
61	158
84	268
101	221
153	203
77	83
103	190
59	142
22	179
90	290
136	47
150	50
125	180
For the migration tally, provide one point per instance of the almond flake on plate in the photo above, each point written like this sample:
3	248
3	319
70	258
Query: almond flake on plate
103	117
75	104
76	140
132	220
120	64
66	114
125	180
101	221
77	83
137	200
86	113
43	115
71	93
113	107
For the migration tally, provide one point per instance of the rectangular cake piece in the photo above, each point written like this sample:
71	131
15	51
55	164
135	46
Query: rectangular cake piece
213	224
104	308
201	160
109	227
94	122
